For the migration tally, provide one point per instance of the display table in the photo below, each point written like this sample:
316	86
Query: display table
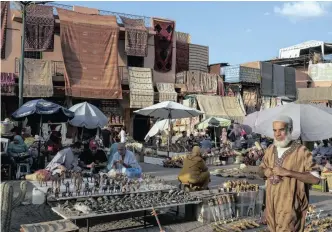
50	226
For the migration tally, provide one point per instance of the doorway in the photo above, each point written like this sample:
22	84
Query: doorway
141	126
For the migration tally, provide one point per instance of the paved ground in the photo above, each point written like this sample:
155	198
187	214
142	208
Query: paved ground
32	213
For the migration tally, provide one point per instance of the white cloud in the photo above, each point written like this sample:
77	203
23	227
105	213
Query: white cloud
248	30
267	13
302	9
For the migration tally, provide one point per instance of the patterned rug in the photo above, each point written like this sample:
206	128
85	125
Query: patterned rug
7	84
37	78
136	40
194	82
167	92
4	16
39	28
250	99
90	52
183	37
141	87
209	83
182	56
221	86
163	41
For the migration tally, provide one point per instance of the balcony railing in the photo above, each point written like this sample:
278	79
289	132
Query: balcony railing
58	68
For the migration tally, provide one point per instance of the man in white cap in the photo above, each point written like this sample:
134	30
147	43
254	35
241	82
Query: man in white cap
289	168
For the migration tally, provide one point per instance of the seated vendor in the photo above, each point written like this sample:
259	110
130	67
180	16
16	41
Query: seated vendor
16	147
64	159
323	150
92	156
195	171
123	159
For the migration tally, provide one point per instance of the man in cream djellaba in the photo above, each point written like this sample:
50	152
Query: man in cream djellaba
289	168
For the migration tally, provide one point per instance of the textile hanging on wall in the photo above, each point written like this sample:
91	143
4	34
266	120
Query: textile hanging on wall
278	80
7	84
224	107
90	52
167	92
290	82
198	58
136	37
182	56
4	16
190	122
111	107
183	37
37	78
209	83
39	28
194	82
221	87
163	42
267	79
250	99
141	87
181	78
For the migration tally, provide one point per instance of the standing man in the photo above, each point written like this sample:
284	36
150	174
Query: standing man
106	135
123	135
289	168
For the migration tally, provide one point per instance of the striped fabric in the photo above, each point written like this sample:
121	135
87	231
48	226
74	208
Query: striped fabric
198	58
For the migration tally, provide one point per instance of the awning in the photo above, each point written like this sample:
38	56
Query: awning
314	94
223	107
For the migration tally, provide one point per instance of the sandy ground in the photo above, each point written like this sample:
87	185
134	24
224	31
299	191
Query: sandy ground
26	214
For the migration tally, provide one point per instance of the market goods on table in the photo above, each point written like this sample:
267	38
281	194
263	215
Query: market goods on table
319	225
107	205
238	186
236	173
236	225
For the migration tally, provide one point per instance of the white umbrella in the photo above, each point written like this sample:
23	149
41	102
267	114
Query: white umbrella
310	122
169	110
88	116
159	126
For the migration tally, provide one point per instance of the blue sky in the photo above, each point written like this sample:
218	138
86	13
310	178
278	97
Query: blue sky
237	32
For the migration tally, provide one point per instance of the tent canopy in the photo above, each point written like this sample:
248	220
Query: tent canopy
214	122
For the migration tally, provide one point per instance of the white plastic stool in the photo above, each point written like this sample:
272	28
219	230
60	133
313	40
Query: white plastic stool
22	170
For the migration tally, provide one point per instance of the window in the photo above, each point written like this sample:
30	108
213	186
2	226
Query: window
135	61
33	55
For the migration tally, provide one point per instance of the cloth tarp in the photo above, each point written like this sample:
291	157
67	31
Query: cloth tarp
198	82
7	84
198	57
209	82
4	16
141	87
167	92
290	83
314	94
163	42
136	37
37	78
278	80
90	52
39	28
224	107
188	124
320	72
266	80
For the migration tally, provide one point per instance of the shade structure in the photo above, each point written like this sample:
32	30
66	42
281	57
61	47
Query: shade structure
159	126
214	122
310	122
88	116
48	111
169	110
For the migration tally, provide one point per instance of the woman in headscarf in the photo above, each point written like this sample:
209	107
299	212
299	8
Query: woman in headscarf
195	172
16	147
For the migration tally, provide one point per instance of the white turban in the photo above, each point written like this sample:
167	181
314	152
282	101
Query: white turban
286	119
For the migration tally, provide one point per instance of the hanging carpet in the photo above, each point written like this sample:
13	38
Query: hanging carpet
37	78
39	28
194	82
136	37
250	99
183	37
163	41
267	79
290	82
90	52
4	16
278	80
141	87
182	56
167	92
7	84
198	58
209	83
